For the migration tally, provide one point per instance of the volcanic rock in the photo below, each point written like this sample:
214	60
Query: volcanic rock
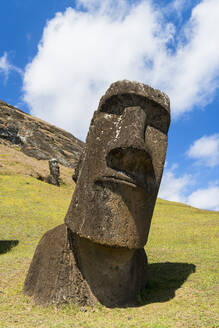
37	138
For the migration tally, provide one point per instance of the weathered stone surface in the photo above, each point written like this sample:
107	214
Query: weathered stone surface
108	220
67	268
53	178
54	276
37	138
11	134
122	166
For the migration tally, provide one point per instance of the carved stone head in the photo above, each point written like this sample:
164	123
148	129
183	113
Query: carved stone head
54	168
120	172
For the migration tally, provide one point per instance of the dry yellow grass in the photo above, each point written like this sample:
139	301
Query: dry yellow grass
14	162
182	290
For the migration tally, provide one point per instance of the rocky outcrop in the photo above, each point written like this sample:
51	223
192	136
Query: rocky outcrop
37	138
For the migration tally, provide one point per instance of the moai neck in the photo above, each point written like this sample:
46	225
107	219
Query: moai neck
113	274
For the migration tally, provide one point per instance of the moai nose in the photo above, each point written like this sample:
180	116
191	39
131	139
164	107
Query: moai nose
127	151
130	129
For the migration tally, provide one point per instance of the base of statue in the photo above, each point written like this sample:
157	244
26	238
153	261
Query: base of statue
69	269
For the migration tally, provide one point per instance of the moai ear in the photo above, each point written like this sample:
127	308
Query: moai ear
78	168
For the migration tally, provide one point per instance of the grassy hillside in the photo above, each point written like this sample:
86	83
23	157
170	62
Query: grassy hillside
182	250
14	162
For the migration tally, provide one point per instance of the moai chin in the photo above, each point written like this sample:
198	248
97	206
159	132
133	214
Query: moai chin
98	254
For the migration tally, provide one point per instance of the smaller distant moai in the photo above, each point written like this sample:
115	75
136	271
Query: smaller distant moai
53	178
98	254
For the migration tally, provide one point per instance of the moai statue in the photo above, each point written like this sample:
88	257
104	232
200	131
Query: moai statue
98	254
53	178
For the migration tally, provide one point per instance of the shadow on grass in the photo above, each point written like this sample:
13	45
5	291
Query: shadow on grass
163	280
7	245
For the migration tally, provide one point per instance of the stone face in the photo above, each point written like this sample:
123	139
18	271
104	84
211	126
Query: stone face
122	167
54	172
108	221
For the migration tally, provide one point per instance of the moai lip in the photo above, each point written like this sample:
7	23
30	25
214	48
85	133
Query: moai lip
98	254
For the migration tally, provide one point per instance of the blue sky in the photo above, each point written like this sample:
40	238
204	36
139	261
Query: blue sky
58	57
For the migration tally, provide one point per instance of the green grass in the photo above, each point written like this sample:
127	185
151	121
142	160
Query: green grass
182	249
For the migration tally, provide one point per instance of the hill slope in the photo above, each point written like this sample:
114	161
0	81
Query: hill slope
15	162
37	138
181	291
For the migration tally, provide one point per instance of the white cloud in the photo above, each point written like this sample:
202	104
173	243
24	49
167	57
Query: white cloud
179	189
205	150
174	188
205	198
80	55
82	52
114	9
196	64
178	5
6	67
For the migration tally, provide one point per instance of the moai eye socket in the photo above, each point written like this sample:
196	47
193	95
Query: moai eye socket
113	106
158	117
